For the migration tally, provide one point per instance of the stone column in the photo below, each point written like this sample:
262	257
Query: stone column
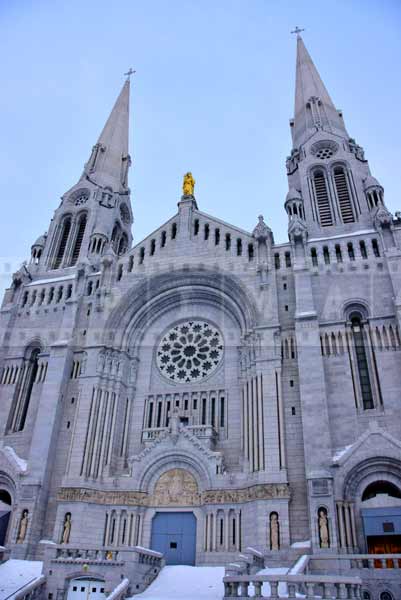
227	529
348	527
340	518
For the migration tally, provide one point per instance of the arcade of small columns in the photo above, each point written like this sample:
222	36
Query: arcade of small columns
346	525
222	531
123	528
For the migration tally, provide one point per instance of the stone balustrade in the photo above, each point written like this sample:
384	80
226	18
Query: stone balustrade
269	587
207	433
89	555
120	592
148	557
31	591
374	561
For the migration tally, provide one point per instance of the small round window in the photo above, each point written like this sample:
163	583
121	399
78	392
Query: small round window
190	351
324	149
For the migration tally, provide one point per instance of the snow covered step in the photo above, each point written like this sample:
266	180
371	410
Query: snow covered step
17	574
186	583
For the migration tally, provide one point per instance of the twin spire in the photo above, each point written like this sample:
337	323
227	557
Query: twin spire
314	109
109	162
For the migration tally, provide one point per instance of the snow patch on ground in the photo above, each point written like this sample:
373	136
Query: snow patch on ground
15	574
186	583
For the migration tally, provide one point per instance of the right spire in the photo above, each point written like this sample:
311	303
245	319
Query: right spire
314	109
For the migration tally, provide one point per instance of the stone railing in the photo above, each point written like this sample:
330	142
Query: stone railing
148	557
30	591
374	561
206	433
273	587
120	592
87	555
249	562
139	565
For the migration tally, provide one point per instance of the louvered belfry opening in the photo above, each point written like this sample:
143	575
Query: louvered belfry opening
343	195
322	199
78	240
66	227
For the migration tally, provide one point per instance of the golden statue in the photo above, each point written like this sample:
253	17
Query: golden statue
23	526
188	185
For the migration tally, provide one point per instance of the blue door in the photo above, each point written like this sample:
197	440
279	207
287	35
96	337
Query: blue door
174	534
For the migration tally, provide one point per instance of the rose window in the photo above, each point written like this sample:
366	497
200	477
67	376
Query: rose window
324	149
190	351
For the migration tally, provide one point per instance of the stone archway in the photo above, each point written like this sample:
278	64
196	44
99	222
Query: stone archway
5	514
374	488
174	528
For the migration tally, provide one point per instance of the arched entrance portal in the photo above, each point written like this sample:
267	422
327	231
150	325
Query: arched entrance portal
174	531
381	514
86	588
5	513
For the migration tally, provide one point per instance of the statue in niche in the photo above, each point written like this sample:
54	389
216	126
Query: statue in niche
23	526
323	528
274	532
65	538
188	185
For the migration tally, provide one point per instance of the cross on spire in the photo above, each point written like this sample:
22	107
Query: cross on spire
129	73
297	30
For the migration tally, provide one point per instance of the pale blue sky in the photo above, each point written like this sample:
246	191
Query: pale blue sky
213	94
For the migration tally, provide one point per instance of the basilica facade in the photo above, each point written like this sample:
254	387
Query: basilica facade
208	389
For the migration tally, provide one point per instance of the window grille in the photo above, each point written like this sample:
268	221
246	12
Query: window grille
322	199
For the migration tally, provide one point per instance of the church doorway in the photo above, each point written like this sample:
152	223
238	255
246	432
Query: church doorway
86	588
5	513
174	534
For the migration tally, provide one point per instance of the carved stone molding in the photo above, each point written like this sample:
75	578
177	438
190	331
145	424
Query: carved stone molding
171	496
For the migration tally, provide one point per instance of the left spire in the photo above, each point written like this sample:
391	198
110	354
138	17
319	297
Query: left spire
109	161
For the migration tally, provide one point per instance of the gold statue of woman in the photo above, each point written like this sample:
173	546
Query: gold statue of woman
188	185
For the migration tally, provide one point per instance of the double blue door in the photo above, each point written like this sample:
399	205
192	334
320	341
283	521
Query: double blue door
174	534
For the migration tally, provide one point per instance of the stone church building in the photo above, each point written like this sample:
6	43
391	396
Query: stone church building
208	389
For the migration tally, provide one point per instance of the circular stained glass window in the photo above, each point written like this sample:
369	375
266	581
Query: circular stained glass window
190	351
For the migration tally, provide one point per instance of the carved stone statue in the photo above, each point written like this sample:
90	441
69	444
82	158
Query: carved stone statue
323	529
274	532
176	487
188	185
65	538
23	526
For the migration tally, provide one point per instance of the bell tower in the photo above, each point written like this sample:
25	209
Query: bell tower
95	215
331	189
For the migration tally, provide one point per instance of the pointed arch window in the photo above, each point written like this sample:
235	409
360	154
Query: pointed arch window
62	244
78	239
24	390
362	361
343	195
322	199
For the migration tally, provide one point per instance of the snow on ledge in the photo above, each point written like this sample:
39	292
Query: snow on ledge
305	544
148	551
20	463
340	453
254	551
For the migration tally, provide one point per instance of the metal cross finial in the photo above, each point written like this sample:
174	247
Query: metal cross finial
130	72
297	30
